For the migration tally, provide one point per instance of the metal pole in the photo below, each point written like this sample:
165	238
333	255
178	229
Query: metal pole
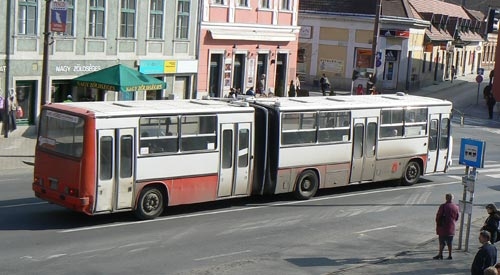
45	68
464	197
375	34
471	199
7	69
478	88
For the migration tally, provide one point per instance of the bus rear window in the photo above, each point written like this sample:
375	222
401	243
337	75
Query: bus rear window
61	133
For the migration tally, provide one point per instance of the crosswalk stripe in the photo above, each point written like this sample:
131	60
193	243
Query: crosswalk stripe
496	176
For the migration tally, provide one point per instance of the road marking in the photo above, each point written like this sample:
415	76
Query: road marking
486	168
23	204
495	176
55	256
376	229
455	177
223	255
255	207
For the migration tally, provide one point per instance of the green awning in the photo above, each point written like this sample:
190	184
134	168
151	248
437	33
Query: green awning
119	78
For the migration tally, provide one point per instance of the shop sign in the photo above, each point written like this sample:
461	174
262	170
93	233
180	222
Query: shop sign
158	66
305	32
170	67
395	33
77	68
391	55
331	65
58	16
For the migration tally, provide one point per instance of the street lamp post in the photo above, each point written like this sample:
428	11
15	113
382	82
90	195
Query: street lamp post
375	35
45	68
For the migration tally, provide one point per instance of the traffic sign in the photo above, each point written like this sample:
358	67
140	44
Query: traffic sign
479	78
472	152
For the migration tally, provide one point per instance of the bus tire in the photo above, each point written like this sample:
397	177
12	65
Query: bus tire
307	185
411	174
150	204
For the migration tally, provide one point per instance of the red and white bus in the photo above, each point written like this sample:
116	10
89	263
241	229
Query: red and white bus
142	156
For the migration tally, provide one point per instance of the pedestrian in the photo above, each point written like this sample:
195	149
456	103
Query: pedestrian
453	73
261	84
371	81
291	89
12	116
69	98
2	103
487	91
491	223
490	101
250	92
486	256
446	217
324	83
492	76
232	93
297	83
360	90
497	266
490	271
374	91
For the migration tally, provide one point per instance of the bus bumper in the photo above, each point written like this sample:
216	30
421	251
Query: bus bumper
74	203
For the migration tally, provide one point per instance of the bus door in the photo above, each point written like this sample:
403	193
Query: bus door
363	149
234	171
115	169
439	139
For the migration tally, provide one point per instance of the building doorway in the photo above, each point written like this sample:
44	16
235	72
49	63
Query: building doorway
214	83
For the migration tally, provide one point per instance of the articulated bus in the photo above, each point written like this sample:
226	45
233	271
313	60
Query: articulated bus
142	156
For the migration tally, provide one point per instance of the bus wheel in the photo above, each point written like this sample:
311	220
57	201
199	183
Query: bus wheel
412	173
150	204
306	185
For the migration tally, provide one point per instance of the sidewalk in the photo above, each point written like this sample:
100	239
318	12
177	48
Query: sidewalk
418	260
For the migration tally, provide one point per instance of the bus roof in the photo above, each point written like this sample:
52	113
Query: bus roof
349	102
152	107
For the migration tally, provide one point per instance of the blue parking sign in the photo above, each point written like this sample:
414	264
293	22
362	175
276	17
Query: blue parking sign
472	152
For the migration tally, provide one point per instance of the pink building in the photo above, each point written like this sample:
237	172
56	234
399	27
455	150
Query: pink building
247	42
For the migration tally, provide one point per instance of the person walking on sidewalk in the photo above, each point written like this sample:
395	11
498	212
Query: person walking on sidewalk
453	73
446	217
324	83
490	101
486	256
491	223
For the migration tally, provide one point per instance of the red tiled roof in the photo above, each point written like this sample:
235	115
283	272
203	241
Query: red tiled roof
438	35
438	7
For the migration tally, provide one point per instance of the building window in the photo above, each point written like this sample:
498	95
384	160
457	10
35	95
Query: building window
265	4
70	17
96	18
27	17
156	19
243	3
182	29
285	4
219	2
127	25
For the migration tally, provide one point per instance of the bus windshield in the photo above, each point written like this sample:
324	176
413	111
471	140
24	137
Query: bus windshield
61	133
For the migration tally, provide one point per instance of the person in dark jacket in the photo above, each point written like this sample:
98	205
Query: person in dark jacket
446	217
486	256
490	101
491	223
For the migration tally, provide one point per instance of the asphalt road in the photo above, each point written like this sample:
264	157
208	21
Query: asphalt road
338	230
